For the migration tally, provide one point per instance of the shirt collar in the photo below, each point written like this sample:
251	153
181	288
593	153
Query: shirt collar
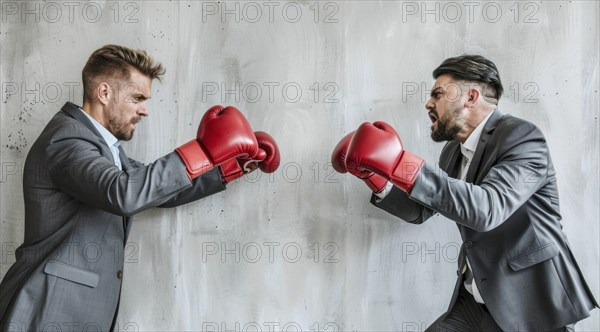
470	145
109	138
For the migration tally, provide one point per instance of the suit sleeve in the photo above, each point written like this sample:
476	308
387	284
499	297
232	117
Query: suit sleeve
400	205
205	185
77	167
519	171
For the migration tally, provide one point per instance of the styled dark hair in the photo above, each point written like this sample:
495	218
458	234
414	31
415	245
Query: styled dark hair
473	68
117	61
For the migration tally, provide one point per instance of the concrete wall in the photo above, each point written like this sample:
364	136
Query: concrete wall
303	248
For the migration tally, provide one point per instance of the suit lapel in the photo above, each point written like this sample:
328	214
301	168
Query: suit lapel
124	159
483	140
451	164
74	112
126	166
475	166
472	172
455	161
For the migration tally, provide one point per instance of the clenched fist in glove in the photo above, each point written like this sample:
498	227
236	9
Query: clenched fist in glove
267	159
223	134
338	160
377	148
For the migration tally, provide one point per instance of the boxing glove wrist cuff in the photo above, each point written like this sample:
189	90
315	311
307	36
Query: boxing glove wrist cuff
375	182
230	170
195	159
406	172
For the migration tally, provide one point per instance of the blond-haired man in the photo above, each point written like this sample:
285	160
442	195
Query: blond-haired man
81	191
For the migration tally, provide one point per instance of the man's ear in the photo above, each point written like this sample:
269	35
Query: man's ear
103	93
473	97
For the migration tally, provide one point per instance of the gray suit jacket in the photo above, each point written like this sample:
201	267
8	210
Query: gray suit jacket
78	208
508	216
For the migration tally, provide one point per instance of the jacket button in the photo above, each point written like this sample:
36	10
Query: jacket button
468	244
120	275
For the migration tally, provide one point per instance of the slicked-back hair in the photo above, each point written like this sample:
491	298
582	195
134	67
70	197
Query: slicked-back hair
473	68
117	61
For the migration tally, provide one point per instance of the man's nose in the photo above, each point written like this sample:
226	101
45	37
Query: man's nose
429	105
143	110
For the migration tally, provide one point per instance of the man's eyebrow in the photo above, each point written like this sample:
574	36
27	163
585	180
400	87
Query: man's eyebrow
434	91
141	96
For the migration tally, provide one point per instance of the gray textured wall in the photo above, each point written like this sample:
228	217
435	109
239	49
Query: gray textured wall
303	248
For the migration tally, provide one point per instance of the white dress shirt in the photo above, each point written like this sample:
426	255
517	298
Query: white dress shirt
384	191
109	138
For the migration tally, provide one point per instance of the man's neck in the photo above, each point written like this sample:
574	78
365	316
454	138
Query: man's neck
473	120
95	111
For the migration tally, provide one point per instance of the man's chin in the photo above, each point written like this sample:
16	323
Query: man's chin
125	136
443	133
436	137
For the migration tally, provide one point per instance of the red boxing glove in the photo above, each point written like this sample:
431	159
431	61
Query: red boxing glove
223	134
377	148
272	159
267	159
338	160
